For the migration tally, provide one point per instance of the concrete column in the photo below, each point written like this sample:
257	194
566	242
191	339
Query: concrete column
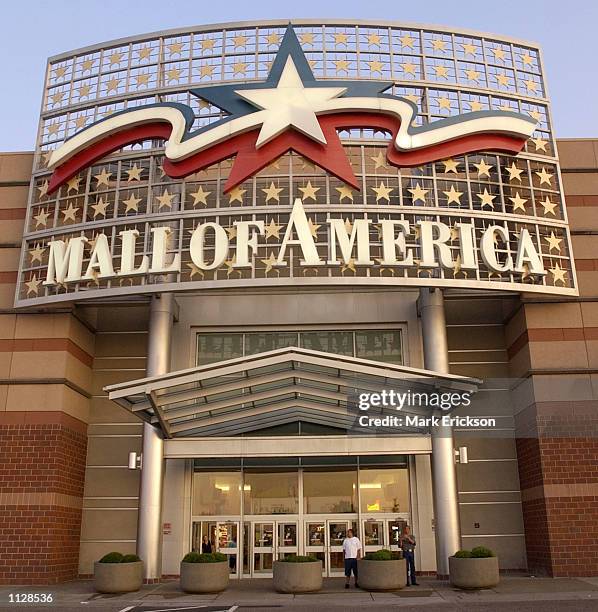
149	527
446	506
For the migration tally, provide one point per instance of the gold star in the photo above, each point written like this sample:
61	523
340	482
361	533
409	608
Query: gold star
374	39
270	262
438	44
379	161
502	79
100	208
239	68
548	206
382	192
450	165
499	54
84	91
112	85
441	71
544	176
558	274
418	193
229	263
236	195
174	74
73	184
195	270
87	65
37	253
344	192
206	70
43	189
308	191
468	49
539	144
413	98
165	199
103	178
514	172
273	230
175	48
375	66
553	242
115	58
273	39
144	52
483	168
33	285
527	59
200	196
208	43
273	193
41	218
134	173
453	196
518	202
307	38
341	65
231	231
486	198
313	228
408	68
57	97
444	102
474	106
407	41
350	265
473	75
70	212
132	203
239	41
340	38
531	85
142	79
534	114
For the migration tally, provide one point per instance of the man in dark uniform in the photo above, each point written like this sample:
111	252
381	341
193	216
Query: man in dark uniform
408	545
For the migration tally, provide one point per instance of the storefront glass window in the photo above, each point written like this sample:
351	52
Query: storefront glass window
268	341
338	342
218	347
271	493
384	490
330	491
216	493
379	345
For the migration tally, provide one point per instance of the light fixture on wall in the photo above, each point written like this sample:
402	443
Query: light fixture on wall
134	461
461	455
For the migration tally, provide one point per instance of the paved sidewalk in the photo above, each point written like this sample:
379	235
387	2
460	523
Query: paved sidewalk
513	594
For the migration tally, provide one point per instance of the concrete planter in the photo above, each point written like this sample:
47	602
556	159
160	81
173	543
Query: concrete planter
117	577
204	577
382	575
474	573
297	577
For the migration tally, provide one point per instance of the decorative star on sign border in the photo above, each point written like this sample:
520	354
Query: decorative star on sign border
290	110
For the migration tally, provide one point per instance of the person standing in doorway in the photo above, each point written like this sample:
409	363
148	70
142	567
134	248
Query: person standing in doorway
352	552
408	545
206	545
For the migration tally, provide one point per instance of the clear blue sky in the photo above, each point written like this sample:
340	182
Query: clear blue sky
30	31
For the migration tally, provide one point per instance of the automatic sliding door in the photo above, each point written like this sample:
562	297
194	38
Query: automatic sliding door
263	548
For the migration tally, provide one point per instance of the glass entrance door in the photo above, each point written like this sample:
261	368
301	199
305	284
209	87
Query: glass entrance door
373	535
337	532
226	536
316	542
271	540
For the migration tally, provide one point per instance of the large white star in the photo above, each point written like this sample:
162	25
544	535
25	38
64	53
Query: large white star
290	104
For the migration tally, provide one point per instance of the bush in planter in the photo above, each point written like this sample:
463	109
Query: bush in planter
118	573
474	569
204	572
387	573
297	574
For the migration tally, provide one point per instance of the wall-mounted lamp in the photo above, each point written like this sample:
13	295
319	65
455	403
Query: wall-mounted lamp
134	461
461	455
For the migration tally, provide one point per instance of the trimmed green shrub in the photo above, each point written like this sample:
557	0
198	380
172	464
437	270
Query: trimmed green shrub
380	555
130	559
463	554
481	552
112	557
194	557
299	559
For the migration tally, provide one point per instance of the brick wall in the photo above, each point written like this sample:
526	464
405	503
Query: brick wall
42	473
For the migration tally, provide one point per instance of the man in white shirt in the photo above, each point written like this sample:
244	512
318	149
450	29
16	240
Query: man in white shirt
352	551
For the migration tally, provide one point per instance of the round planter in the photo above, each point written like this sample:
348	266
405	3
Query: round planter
297	577
474	573
382	575
204	577
117	577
